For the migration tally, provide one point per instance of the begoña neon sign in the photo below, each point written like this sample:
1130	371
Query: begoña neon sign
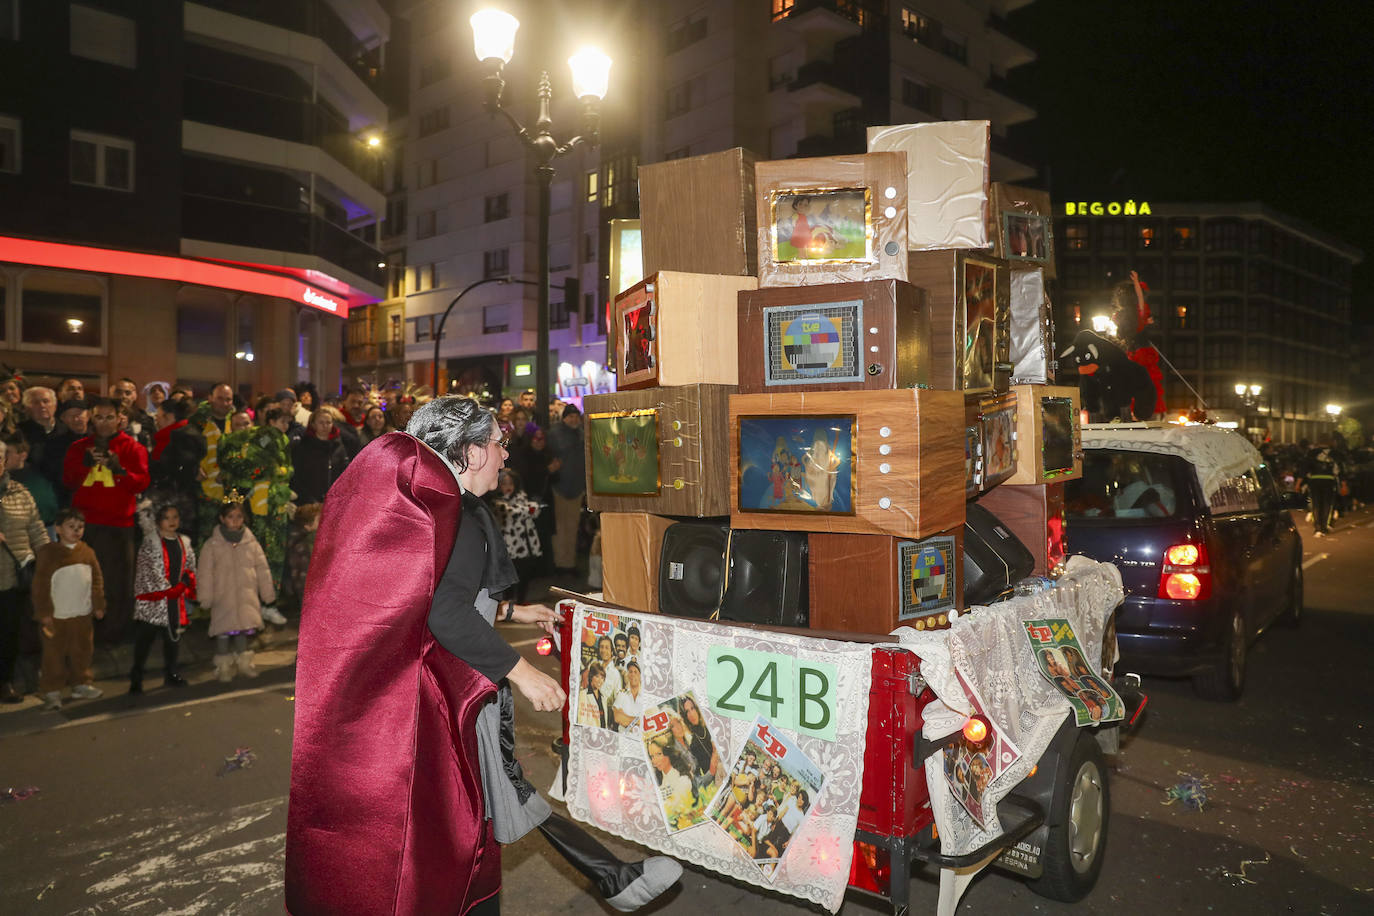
310	297
1111	208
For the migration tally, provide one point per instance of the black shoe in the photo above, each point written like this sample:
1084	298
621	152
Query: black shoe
9	695
136	686
174	680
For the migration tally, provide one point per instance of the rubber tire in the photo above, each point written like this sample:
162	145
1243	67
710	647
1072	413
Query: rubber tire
1225	682
1085	797
1292	616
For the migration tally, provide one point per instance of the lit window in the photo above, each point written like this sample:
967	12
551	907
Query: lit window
782	9
592	186
105	162
63	310
916	26
1076	235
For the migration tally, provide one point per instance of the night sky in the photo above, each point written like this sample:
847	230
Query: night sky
1222	100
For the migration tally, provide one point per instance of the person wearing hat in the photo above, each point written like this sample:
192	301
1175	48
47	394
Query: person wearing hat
286	400
72	420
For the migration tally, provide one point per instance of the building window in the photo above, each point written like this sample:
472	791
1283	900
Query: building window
1111	235
1183	315
426	172
1184	234
426	224
917	26
1183	274
780	71
1183	353
434	120
62	310
104	162
592	186
588	248
1076	235
685	32
434	275
1222	315
1222	275
1147	234
9	142
496	206
424	328
102	36
495	263
1222	235
435	69
395	222
678	99
1077	273
494	319
920	95
954	45
395	279
782	9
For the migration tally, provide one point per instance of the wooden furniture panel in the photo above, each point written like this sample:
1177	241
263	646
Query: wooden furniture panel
865	583
942	275
630	546
678	329
907	459
1035	514
1047	426
699	214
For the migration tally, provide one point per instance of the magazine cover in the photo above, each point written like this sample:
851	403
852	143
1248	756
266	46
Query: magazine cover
1064	664
684	758
610	694
1001	752
968	770
771	790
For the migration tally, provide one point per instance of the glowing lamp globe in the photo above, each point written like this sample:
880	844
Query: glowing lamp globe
591	73
493	35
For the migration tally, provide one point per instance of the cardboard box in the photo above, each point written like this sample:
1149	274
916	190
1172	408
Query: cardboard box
838	336
699	214
678	329
1021	227
1035	514
1031	320
630	546
858	462
901	582
957	289
1049	437
994	417
834	219
658	450
947	180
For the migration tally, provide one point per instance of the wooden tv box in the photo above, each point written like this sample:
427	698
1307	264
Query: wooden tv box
631	543
943	275
873	583
838	336
1049	437
699	214
856	462
677	329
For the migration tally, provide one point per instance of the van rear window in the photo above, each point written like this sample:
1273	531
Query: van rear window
1121	484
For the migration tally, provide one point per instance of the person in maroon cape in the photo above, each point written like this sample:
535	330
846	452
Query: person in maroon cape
402	780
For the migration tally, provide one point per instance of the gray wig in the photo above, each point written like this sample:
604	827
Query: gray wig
449	425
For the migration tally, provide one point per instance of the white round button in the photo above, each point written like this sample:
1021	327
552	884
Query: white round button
885	432
884	503
873	349
884	468
884	449
873	330
890	212
890	193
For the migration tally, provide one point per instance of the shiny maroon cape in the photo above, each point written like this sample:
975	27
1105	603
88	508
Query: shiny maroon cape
386	812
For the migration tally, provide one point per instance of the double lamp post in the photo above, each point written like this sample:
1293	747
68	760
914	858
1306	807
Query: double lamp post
493	35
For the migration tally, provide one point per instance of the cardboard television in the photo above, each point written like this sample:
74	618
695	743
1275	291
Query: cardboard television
1049	438
870	583
699	214
947	166
1021	227
658	450
858	462
873	335
969	296
990	441
1031	321
834	219
677	329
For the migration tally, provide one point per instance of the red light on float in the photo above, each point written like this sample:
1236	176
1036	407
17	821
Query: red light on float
544	646
976	730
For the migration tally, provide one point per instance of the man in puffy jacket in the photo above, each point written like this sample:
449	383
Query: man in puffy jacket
106	471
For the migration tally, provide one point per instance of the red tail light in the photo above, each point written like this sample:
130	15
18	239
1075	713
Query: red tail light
1185	574
871	869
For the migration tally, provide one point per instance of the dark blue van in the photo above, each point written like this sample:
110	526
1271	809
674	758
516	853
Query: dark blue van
1208	552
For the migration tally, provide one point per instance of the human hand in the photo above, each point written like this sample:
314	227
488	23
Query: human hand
541	690
546	617
555	464
2	537
47	624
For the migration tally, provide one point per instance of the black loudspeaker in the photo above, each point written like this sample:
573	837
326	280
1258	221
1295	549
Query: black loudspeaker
994	558
751	576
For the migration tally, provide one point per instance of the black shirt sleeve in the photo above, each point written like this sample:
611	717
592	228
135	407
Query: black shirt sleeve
454	620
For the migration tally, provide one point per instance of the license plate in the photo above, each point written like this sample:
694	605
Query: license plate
1024	857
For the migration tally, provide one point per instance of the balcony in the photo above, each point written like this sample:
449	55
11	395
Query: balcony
1008	50
824	20
821	84
295	120
249	225
1009	109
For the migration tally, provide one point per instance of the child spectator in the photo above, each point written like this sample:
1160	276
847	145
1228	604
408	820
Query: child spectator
516	513
234	582
164	578
298	550
67	589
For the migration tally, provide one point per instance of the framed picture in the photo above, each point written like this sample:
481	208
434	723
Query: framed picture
999	440
806	344
1027	236
638	330
797	464
821	225
1057	446
624	452
929	579
979	295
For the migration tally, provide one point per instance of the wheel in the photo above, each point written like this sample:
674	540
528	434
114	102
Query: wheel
1076	846
1292	616
1226	680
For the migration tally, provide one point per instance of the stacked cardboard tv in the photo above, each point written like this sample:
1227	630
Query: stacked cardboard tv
817	379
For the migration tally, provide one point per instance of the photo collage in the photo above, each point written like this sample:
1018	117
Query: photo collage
1063	663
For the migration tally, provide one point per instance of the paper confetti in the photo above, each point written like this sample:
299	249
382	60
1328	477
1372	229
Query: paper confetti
1191	792
241	759
17	795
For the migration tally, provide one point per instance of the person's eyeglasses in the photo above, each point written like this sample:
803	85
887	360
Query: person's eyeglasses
503	441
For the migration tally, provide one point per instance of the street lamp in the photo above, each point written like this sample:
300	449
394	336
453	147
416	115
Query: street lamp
1334	410
493	37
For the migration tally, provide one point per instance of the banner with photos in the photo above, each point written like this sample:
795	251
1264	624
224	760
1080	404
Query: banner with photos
737	749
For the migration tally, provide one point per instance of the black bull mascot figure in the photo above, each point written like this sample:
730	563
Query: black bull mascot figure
1110	385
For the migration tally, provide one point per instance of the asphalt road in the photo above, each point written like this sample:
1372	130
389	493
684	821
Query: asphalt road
132	815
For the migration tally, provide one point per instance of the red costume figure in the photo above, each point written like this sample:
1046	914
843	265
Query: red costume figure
386	812
801	229
1133	326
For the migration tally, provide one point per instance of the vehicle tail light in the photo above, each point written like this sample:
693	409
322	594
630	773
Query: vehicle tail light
1185	574
871	868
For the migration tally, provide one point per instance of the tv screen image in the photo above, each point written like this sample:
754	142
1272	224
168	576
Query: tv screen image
638	341
797	464
928	574
820	225
1057	430
999	447
813	343
624	452
980	324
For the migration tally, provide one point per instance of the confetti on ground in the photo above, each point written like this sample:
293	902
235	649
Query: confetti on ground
17	795
1239	877
241	759
50	886
1192	792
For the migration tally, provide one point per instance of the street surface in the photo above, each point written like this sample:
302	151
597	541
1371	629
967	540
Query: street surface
131	816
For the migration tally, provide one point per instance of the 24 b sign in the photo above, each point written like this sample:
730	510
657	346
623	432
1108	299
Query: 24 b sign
793	694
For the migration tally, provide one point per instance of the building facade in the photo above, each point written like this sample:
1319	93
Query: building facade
189	194
783	78
1240	293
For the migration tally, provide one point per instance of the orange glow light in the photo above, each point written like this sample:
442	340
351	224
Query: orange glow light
1182	555
1182	586
976	730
